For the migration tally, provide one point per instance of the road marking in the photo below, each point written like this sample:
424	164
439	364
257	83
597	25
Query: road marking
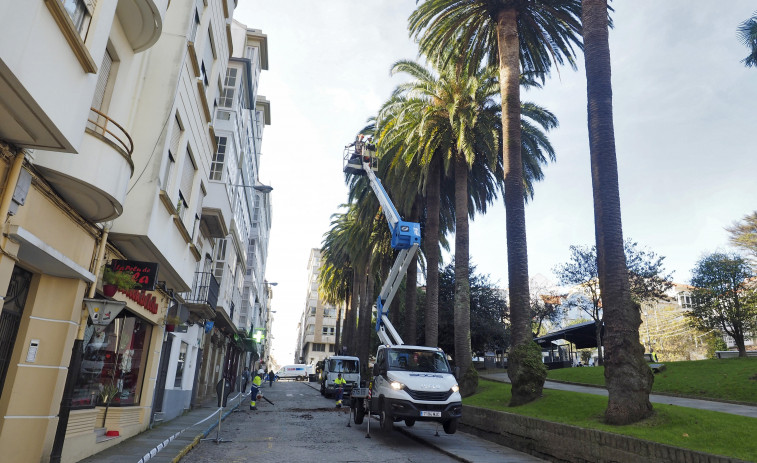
290	395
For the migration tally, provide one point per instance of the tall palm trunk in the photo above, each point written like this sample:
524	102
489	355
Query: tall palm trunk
463	357
364	320
628	378
338	335
431	248
527	381
411	318
350	318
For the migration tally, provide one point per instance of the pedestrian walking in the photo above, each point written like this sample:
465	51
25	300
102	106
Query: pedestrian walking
271	377
254	391
245	379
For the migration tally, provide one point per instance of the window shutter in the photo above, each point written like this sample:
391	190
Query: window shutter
175	137
102	81
208	57
187	178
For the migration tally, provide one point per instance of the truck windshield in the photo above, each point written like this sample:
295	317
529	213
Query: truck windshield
417	360
343	366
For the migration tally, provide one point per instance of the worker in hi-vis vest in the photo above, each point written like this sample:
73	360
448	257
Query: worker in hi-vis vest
254	389
339	383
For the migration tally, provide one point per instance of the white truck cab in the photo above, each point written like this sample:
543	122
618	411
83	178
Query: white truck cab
348	366
415	383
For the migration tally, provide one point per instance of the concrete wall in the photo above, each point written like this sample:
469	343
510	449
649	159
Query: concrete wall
564	443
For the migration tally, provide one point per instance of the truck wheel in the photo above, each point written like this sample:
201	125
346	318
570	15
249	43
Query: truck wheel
300	378
450	426
409	422
385	419
359	413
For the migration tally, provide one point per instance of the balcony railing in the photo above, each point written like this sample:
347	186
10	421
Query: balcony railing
111	131
204	290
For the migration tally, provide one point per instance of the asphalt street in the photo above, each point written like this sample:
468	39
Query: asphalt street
304	426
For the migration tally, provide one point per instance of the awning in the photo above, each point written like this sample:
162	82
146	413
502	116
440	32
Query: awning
582	335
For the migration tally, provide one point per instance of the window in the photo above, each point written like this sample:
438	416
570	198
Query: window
187	183
220	258
103	77
216	167
77	11
173	149
312	311
328	331
319	347
684	300
229	87
180	365
195	25
310	329
116	355
329	312
207	59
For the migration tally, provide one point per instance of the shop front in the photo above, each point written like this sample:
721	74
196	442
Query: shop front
113	393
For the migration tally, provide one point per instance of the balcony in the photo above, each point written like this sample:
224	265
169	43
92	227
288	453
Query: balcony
203	298
95	180
142	21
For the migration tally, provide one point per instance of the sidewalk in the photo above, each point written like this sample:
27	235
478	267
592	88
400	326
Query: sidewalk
711	405
171	440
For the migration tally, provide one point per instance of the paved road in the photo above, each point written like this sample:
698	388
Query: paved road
303	426
724	407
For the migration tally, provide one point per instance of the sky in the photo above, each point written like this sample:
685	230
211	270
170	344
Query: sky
684	127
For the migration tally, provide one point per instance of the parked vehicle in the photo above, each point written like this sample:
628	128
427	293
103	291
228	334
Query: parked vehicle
298	372
410	383
348	366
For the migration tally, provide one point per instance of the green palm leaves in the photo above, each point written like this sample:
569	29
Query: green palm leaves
747	33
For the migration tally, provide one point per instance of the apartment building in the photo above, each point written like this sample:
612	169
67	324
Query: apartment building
108	145
317	327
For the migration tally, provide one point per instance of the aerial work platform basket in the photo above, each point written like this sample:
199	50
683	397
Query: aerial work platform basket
357	153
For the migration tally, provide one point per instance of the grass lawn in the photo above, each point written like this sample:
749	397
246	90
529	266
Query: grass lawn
704	431
729	379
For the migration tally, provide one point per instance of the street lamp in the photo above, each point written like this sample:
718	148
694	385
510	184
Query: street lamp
259	187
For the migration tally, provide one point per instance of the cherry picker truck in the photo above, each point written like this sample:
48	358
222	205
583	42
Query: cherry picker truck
410	383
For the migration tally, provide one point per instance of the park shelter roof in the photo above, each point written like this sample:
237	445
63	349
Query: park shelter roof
582	335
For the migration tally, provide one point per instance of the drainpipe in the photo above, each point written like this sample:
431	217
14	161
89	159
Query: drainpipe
12	181
74	366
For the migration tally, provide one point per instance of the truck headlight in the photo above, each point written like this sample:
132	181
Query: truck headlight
455	388
396	385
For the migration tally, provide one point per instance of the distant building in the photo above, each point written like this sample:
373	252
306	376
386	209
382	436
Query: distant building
317	327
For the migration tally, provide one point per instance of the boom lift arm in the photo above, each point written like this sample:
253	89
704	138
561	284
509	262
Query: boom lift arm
406	237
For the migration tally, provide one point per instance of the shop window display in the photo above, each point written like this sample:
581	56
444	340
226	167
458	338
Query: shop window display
114	355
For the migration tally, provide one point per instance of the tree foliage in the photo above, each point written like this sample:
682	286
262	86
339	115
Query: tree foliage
646	274
725	298
743	235
747	33
488	313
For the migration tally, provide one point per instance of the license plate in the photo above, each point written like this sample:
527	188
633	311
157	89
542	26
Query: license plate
432	414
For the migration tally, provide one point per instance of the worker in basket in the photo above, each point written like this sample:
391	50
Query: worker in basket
339	383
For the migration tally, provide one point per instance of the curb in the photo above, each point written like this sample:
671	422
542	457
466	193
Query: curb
430	444
183	452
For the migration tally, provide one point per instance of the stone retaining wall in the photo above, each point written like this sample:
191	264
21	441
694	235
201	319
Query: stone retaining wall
564	443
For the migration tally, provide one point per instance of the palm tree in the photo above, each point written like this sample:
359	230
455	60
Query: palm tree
338	275
512	34
748	34
455	119
627	377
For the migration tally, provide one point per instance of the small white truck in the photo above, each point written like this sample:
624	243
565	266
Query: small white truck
348	366
410	383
